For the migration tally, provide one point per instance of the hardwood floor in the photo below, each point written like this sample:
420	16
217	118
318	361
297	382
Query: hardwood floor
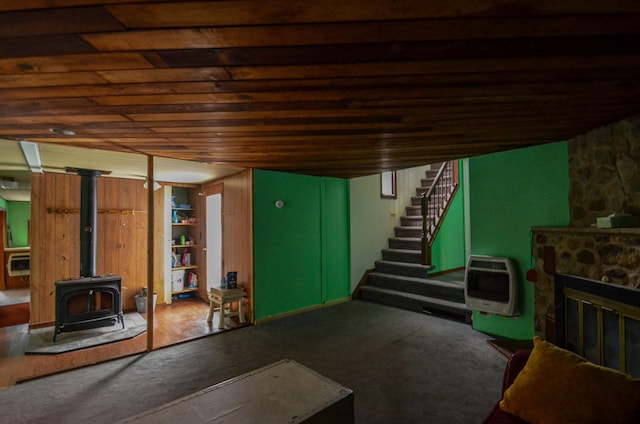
185	319
14	296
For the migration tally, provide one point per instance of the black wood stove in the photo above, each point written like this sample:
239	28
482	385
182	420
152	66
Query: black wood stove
89	301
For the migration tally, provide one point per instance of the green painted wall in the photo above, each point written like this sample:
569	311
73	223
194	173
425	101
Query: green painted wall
18	215
301	251
448	250
511	192
335	239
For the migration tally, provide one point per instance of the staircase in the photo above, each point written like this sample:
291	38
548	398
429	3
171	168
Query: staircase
400	278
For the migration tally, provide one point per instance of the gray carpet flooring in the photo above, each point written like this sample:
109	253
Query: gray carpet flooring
402	366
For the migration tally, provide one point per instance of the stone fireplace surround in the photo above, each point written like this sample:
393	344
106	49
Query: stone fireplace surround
604	178
595	253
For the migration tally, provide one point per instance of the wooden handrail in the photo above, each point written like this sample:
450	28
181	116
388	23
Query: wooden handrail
426	247
431	225
436	180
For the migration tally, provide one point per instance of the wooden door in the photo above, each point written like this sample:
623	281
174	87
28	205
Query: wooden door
3	230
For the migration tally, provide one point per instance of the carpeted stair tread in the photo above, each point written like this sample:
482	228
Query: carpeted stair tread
411	221
402	255
403	268
407	239
414	210
447	284
415	302
430	299
408	232
410	243
419	286
402	250
404	231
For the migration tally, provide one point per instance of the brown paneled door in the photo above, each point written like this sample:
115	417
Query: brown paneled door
3	244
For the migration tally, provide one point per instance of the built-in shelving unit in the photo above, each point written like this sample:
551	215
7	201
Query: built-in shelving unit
184	230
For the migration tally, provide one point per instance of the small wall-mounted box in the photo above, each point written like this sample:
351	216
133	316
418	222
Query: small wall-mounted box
618	221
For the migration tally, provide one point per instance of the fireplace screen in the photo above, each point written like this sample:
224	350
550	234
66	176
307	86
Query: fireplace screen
600	322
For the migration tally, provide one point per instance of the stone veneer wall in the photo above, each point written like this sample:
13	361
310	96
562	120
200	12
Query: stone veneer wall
604	178
604	172
609	254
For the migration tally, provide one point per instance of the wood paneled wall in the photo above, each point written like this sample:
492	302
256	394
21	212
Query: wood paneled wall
55	237
122	235
158	246
237	233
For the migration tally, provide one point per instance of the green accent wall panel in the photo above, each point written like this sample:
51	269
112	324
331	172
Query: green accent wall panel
510	192
18	215
335	239
296	247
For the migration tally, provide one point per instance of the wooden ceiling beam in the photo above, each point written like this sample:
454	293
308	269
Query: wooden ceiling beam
244	12
505	104
31	5
73	63
372	93
198	80
208	80
394	52
352	70
363	32
456	124
67	20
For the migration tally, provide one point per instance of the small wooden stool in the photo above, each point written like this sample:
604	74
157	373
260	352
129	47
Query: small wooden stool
222	298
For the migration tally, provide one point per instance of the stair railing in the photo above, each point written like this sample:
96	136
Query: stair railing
434	204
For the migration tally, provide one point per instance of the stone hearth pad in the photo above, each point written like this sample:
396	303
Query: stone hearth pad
40	340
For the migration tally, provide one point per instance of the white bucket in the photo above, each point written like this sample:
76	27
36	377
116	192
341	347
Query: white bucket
141	303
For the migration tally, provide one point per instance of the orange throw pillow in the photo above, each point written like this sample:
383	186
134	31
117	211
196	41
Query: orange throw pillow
559	387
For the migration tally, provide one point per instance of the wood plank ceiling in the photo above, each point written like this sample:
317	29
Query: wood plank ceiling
338	88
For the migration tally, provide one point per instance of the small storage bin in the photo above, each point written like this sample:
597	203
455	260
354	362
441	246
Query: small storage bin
141	303
177	280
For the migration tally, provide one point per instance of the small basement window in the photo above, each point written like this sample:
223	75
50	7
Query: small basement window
388	185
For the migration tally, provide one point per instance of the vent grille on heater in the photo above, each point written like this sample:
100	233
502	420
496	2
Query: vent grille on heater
491	285
488	265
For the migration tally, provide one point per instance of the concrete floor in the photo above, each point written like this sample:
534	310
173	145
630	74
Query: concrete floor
402	366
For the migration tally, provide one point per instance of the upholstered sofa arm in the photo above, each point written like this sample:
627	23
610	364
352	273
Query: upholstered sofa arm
513	368
514	365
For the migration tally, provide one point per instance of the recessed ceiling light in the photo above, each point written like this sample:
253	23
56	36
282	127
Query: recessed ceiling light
62	131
